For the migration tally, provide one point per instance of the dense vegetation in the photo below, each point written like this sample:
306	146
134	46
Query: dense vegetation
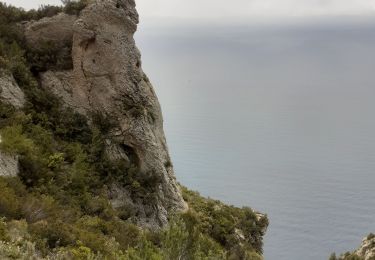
58	206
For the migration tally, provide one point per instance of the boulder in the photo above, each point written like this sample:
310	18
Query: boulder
8	165
10	92
57	30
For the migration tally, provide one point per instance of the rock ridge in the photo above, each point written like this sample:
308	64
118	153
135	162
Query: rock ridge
367	248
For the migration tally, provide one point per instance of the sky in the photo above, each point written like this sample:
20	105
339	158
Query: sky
219	9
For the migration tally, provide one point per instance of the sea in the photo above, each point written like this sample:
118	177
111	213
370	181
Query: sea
278	116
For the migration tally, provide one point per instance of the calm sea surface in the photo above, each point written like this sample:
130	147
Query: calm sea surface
280	118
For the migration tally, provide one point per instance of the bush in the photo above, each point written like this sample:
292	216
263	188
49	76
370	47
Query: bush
223	223
176	243
144	251
10	14
7	111
84	253
183	240
9	201
56	234
74	7
49	56
13	61
13	141
24	250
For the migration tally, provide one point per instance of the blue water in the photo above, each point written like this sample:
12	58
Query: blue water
280	118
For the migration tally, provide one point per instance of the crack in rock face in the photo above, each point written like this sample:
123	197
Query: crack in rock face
107	77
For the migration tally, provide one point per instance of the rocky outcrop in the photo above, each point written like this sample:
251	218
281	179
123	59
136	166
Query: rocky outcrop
107	78
10	92
8	165
367	248
46	30
365	252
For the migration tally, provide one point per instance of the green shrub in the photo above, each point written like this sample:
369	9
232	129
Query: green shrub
74	7
104	123
145	250
11	14
176	241
14	62
9	201
346	256
223	222
56	233
49	56
3	230
7	112
84	253
183	240
13	141
43	11
24	250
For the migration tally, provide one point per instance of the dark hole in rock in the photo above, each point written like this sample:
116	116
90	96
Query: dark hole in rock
131	154
168	164
138	64
94	61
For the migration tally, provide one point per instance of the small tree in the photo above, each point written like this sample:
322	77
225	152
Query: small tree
74	7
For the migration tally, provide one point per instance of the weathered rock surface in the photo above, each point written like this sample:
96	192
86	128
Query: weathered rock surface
10	92
365	252
8	165
367	248
46	30
107	78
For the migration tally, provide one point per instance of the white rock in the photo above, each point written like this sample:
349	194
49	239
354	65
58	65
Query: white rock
8	165
10	92
367	249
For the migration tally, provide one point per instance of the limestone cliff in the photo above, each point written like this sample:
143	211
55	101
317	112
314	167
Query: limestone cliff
107	78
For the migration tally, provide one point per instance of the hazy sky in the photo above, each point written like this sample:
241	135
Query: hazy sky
238	8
